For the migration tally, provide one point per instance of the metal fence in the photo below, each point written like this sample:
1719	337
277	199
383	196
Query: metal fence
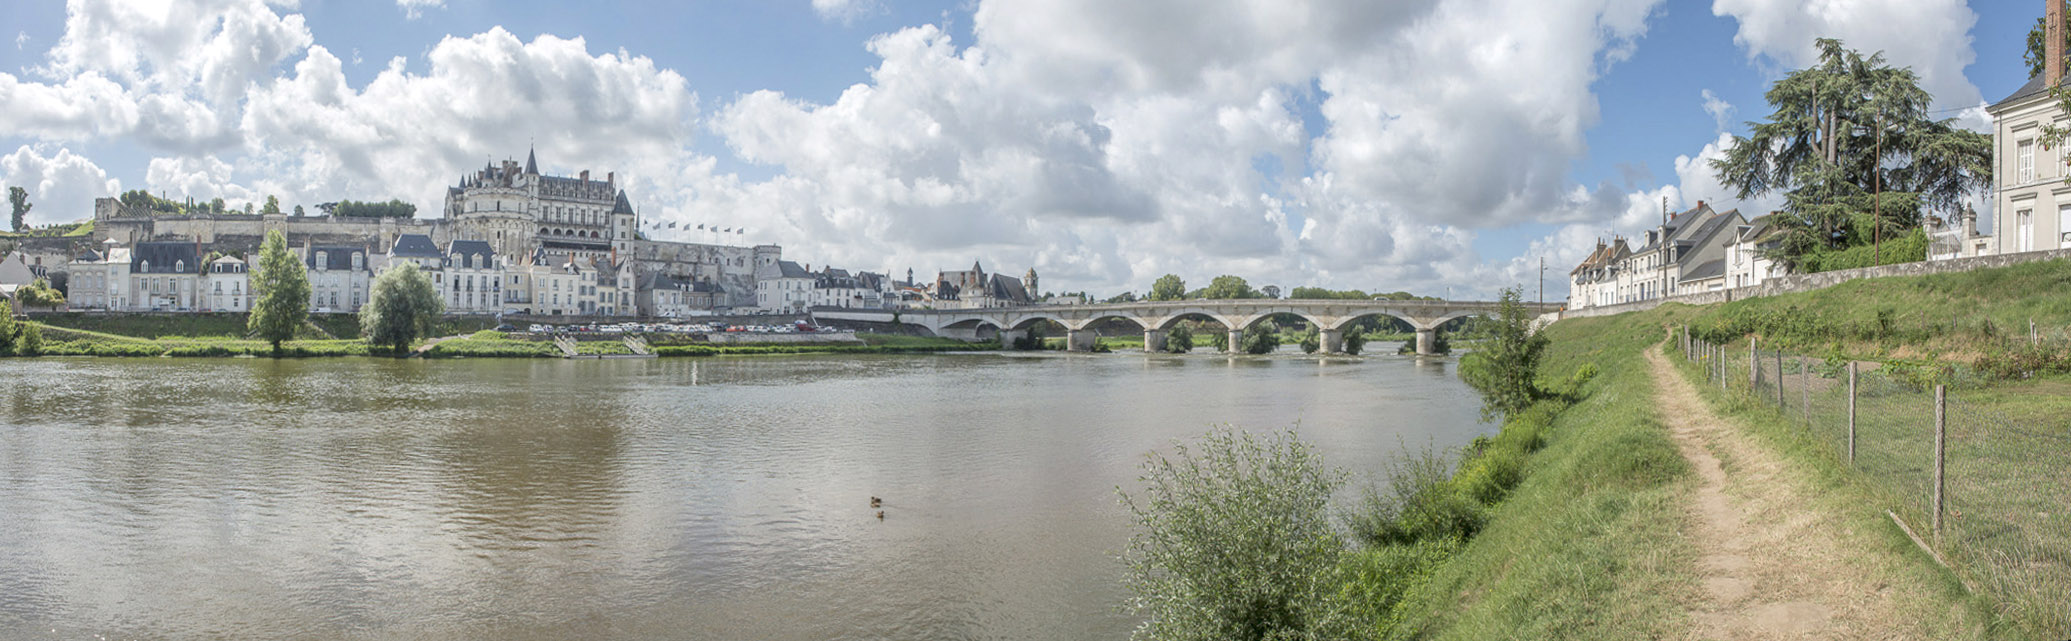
1990	494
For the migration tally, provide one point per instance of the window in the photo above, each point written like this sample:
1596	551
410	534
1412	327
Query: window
2027	161
320	260
2026	236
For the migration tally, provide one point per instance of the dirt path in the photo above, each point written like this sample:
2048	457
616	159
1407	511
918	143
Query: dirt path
1774	564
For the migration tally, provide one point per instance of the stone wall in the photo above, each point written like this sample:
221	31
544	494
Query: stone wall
1822	280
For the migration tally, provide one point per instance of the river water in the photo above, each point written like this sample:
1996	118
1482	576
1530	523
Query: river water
718	498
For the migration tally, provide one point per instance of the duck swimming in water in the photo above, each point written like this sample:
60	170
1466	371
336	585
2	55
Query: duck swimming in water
876	502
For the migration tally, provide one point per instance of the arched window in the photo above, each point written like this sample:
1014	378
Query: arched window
179	266
144	267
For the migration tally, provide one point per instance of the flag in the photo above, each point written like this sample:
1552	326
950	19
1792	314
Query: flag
728	230
742	230
672	224
701	226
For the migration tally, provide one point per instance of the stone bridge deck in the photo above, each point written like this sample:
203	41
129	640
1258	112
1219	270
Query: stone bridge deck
1330	317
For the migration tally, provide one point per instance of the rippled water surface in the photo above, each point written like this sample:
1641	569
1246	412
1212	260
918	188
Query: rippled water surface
707	498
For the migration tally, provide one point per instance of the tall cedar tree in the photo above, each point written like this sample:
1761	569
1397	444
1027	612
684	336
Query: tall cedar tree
1820	147
283	287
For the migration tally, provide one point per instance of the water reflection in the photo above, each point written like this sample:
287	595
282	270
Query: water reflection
323	498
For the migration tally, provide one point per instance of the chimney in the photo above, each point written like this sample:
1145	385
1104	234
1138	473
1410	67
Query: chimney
2052	42
1700	204
610	177
1970	222
585	175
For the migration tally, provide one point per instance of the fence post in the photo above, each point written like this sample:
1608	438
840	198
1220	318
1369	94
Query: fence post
1851	413
1780	403
1805	391
1721	349
1754	368
1941	430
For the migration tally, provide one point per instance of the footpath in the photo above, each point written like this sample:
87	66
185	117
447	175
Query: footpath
1777	560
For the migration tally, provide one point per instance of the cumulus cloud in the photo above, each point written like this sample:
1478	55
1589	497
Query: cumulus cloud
1337	142
843	11
61	185
414	9
1931	36
1721	111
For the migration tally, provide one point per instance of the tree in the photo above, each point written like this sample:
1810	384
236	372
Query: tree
39	294
1270	291
1233	540
1842	130
1124	297
282	284
1180	339
20	199
1355	340
2034	55
216	205
298	211
1168	287
394	208
272	205
1228	287
1259	339
401	307
8	328
1505	368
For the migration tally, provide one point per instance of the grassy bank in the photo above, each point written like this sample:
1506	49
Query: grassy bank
190	325
1585	545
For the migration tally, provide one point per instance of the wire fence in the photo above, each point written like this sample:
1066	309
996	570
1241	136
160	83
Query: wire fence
1989	493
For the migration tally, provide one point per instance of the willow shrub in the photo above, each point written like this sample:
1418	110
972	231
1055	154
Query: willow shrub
1233	540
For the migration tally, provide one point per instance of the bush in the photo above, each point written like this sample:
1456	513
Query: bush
1377	578
1180	339
1420	503
1233	541
1259	340
1354	341
1489	477
489	335
1311	341
30	343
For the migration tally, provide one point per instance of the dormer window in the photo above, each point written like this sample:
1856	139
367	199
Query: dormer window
144	267
321	264
357	261
179	266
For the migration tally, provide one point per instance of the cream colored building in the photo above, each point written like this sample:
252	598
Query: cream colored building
226	286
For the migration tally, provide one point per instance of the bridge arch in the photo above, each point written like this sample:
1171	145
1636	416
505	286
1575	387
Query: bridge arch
1345	322
1168	320
1245	322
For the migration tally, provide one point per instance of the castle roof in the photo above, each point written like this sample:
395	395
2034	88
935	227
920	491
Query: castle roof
622	206
531	163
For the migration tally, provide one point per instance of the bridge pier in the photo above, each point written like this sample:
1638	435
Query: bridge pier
1333	341
1427	341
1236	345
1153	340
1080	340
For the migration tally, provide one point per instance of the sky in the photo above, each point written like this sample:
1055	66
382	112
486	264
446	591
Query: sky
1444	147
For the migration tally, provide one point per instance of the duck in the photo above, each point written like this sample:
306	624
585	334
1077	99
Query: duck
880	515
876	502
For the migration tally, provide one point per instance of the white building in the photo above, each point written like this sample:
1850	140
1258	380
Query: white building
340	278
783	287
227	286
2031	203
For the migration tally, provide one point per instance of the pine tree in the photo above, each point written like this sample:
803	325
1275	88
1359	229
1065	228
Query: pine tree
20	199
283	287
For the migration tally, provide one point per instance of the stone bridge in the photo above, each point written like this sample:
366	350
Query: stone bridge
1330	317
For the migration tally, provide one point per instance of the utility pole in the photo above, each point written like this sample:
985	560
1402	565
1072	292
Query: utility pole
1542	280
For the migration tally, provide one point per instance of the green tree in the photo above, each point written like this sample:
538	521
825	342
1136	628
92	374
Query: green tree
1260	339
1220	340
1233	540
1168	287
1311	340
298	211
1124	297
39	294
216	205
1821	147
1505	367
1229	287
272	205
2034	56
1179	339
1355	340
282	284
401	306
20	199
30	340
8	328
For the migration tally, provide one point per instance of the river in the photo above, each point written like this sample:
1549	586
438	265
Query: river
719	498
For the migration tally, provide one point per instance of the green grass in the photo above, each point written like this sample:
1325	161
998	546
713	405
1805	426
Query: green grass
490	344
898	340
1587	545
1944	317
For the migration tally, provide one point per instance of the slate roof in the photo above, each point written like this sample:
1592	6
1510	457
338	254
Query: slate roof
228	265
164	257
1008	288
531	163
1704	233
791	269
485	256
2033	87
622	206
415	246
1713	268
89	256
336	258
